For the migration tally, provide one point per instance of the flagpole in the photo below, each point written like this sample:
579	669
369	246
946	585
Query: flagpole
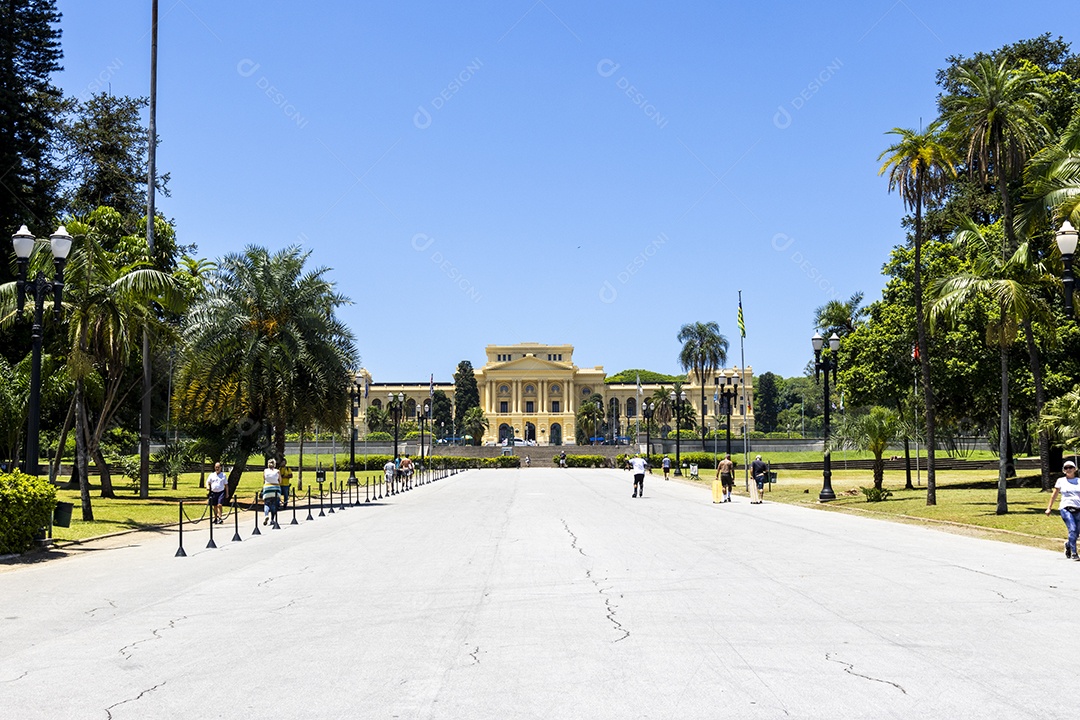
742	361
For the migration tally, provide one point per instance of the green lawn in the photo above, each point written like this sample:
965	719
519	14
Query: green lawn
126	511
965	497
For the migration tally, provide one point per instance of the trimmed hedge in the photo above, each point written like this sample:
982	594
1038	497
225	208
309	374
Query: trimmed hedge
26	504
376	462
584	461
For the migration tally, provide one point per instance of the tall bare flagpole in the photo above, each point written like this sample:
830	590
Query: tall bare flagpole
151	178
742	362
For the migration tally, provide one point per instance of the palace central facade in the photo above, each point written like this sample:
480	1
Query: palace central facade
534	391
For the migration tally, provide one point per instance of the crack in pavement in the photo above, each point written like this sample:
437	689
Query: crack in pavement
289	604
573	539
474	655
612	608
108	710
850	670
272	578
127	650
103	607
25	673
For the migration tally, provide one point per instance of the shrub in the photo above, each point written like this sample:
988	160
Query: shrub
412	435
379	436
26	503
874	494
584	461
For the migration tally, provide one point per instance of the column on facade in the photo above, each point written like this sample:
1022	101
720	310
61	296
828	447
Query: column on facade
571	396
541	389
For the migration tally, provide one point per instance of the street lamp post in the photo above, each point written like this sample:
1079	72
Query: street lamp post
40	288
728	392
422	417
647	412
677	401
352	434
1066	242
397	406
828	363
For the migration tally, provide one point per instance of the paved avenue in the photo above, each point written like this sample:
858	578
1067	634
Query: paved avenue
545	593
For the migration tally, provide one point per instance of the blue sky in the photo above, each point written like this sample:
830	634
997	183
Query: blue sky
590	173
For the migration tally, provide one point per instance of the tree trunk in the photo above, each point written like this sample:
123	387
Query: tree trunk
62	441
300	465
81	451
879	471
104	473
1040	400
237	471
907	464
279	441
1003	440
924	355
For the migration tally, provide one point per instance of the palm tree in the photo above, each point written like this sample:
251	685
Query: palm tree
1052	180
995	115
590	414
840	317
474	423
704	351
265	349
919	165
662	411
1013	285
872	431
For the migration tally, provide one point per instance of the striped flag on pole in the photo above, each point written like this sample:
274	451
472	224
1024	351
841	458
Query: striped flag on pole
431	386
742	323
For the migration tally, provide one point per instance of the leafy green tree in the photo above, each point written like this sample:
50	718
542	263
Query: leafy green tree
106	147
1013	286
589	419
767	401
704	351
442	414
107	305
919	165
474	424
30	110
873	432
378	420
263	342
840	317
466	393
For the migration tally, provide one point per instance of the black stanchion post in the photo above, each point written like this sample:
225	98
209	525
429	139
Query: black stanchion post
309	503
331	509
257	530
294	520
236	521
180	552
211	544
341	491
367	487
322	513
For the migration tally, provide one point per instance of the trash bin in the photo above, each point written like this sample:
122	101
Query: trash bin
693	470
772	476
62	514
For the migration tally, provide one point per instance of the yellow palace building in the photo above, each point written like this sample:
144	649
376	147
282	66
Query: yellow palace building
533	391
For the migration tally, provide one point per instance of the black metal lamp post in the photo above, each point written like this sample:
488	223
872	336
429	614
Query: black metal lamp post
647	409
1066	242
353	410
729	391
397	406
421	416
828	363
677	401
40	288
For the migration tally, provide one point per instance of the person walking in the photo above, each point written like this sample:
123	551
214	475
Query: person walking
1068	487
216	484
271	491
666	464
637	467
286	483
725	473
562	459
388	474
758	469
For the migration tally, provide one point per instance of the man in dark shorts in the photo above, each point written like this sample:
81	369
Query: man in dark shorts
637	466
216	484
758	469
725	473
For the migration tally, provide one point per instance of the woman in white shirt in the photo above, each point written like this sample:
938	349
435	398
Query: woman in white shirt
1068	488
271	491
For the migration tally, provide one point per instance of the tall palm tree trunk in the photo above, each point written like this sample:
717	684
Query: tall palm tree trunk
1040	400
924	354
81	450
1003	440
